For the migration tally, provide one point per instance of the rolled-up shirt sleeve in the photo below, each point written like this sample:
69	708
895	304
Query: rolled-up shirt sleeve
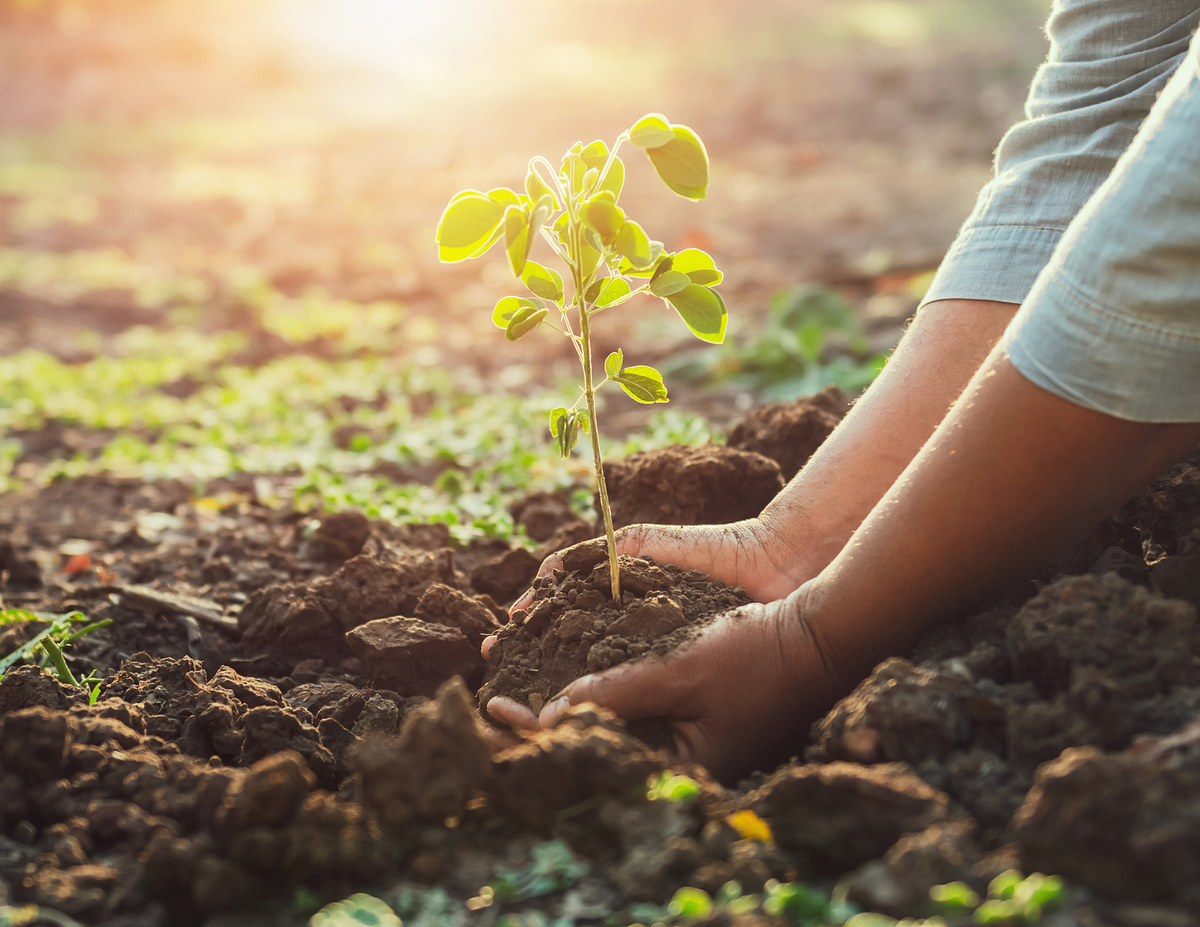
1113	321
1108	62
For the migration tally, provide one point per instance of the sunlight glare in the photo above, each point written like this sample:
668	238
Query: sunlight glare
425	39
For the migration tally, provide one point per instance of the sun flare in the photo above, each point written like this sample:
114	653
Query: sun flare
418	38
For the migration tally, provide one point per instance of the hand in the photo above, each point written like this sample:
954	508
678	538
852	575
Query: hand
752	554
740	695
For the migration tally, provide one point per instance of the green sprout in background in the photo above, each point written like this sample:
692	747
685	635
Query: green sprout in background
609	260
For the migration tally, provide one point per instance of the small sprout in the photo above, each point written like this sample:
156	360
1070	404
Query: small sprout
953	897
795	901
998	911
868	919
1003	886
644	912
356	911
750	826
552	869
690	904
52	640
669	787
1039	891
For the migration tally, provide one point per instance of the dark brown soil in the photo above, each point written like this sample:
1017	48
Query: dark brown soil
690	485
276	716
573	627
789	432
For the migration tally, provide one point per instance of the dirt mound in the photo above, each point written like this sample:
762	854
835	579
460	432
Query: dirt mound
573	627
690	485
1089	661
1087	809
789	432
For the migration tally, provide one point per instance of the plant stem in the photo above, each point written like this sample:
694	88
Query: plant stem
590	392
60	665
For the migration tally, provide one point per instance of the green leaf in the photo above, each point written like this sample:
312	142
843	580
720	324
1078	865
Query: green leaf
599	214
690	904
700	267
606	291
565	426
645	384
651	131
590	259
669	283
595	155
703	311
505	197
542	281
660	258
524	320
614	180
573	168
585	421
633	243
682	163
509	306
469	226
612	363
536	188
516	238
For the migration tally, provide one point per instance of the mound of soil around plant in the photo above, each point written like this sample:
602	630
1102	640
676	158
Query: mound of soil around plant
689	485
573	627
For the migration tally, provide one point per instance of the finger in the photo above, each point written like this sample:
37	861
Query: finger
512	713
488	643
498	739
640	689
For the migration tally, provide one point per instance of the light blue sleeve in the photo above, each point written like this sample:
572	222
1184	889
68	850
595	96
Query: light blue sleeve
1113	322
1108	61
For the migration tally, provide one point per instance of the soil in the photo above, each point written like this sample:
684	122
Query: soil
573	627
789	432
288	707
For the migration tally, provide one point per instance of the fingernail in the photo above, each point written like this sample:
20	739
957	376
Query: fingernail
553	710
521	604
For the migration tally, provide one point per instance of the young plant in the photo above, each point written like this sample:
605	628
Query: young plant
52	639
609	259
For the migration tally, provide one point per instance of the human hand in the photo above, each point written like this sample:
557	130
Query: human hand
752	554
749	553
740	695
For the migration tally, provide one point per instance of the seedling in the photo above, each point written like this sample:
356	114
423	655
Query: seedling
669	787
552	869
52	640
609	259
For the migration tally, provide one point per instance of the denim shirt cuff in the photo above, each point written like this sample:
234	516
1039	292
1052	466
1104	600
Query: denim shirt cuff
993	262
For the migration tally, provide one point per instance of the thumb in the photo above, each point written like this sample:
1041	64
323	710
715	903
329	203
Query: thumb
646	688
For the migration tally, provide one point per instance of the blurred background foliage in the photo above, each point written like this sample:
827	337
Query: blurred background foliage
216	223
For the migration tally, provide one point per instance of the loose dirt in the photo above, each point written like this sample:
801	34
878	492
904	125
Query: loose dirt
573	627
291	709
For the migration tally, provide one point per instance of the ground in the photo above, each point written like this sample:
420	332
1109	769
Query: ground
247	418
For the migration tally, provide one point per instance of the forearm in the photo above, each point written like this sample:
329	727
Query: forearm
1012	474
815	514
